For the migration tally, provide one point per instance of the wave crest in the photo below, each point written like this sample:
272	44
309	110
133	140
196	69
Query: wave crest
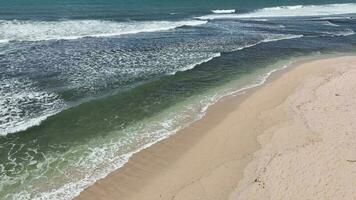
15	30
223	11
291	11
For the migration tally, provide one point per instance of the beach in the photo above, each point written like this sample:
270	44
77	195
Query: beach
163	99
291	138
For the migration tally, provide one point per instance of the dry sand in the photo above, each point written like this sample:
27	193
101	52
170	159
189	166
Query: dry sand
292	138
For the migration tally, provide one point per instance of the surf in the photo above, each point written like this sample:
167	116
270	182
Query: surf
17	30
290	11
223	11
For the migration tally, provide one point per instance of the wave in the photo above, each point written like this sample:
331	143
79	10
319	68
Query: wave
346	32
15	30
273	38
283	37
335	17
291	11
24	125
223	11
198	63
4	41
328	23
18	97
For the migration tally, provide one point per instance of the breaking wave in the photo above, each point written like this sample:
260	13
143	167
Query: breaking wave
15	30
291	11
223	11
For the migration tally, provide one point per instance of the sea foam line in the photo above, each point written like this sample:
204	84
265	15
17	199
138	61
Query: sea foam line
15	30
223	11
4	41
192	66
290	11
23	126
283	37
328	23
346	32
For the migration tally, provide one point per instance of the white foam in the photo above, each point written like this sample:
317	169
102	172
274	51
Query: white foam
15	30
346	32
223	11
18	97
191	66
4	41
282	37
327	23
269	38
335	17
273	38
291	11
24	124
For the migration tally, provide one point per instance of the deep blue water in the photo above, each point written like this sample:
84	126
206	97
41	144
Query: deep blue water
132	9
83	84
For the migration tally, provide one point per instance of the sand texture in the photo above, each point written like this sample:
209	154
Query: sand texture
292	138
312	155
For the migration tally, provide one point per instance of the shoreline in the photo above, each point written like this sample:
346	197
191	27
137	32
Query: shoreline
160	159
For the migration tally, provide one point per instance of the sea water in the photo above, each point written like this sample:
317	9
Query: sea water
86	84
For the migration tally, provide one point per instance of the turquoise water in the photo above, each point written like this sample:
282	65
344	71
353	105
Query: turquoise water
85	84
132	9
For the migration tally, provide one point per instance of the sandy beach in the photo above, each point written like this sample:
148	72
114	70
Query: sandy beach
292	138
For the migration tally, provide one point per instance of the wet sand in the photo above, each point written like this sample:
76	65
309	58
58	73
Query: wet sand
271	143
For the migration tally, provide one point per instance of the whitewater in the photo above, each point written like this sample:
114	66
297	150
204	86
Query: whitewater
16	30
289	11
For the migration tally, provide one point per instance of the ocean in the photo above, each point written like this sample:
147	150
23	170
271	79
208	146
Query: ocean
85	84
